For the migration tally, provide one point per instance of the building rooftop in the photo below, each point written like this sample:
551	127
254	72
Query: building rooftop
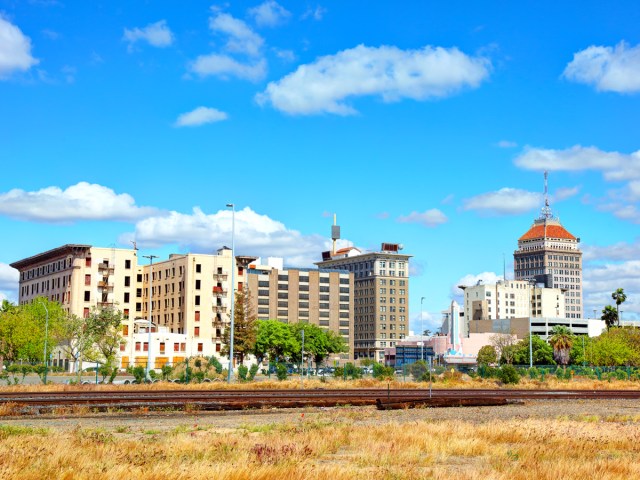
547	230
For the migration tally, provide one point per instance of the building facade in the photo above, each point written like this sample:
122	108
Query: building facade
320	297
511	299
380	296
549	255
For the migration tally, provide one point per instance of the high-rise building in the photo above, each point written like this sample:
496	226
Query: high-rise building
316	296
380	297
550	255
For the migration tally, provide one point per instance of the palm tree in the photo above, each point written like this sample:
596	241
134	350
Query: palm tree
619	296
610	316
427	333
561	341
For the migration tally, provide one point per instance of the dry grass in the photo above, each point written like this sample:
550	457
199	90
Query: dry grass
550	383
333	446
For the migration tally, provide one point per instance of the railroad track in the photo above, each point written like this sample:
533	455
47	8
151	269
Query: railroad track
30	402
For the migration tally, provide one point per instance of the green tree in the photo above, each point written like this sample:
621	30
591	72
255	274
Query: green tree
244	327
105	325
487	355
619	296
610	316
318	342
561	341
75	339
580	351
275	339
542	351
504	344
617	347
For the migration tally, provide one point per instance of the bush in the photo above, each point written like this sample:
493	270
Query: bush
508	374
621	374
215	363
253	371
166	371
242	372
281	371
419	370
533	373
380	371
139	373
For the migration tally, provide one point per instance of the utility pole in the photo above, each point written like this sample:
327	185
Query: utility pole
233	289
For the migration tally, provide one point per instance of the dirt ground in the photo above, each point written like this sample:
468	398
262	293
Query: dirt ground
594	410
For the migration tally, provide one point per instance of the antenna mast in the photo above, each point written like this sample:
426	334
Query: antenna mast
546	210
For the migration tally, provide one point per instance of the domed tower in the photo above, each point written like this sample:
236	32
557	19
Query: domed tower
548	254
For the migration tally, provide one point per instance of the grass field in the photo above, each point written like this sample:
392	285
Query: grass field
333	445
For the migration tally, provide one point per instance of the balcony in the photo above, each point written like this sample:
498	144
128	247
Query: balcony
105	285
105	304
219	291
220	276
219	309
105	267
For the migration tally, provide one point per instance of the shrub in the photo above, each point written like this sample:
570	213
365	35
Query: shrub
281	371
253	371
621	374
533	373
215	363
419	370
508	374
242	372
139	373
380	371
166	371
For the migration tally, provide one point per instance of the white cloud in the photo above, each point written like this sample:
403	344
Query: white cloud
429	218
315	13
9	277
506	201
83	201
620	251
269	14
506	144
613	165
285	55
565	192
224	66
15	50
255	234
387	72
200	116
156	34
470	280
613	69
600	280
241	38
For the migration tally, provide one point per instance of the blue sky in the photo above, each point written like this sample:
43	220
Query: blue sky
428	124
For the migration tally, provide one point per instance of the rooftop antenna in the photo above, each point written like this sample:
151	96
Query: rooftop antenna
546	210
335	234
135	245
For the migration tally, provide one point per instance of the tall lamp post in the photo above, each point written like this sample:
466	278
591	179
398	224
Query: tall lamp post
150	257
46	338
421	328
233	287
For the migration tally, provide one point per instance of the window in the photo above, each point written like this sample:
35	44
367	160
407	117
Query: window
87	279
139	277
127	264
198	268
87	262
197	315
197	300
263	283
197	284
200	347
126	297
87	296
145	347
196	331
138	344
127	281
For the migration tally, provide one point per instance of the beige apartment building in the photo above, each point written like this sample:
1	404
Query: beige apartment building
320	297
190	301
380	296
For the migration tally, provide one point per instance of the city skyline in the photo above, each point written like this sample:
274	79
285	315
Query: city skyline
428	126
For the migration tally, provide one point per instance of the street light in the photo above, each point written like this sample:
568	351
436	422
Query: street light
422	328
233	271
150	257
46	338
531	284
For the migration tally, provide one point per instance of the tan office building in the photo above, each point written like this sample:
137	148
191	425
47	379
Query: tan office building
319	297
380	297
